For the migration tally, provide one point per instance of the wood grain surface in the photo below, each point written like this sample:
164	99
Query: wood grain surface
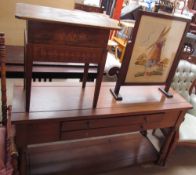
64	112
72	17
71	100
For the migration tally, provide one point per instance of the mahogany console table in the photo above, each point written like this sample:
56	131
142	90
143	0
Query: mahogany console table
57	116
58	35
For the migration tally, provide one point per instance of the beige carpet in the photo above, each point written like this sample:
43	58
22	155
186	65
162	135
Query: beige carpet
181	162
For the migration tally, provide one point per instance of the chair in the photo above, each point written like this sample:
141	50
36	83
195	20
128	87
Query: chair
191	4
189	47
8	153
184	83
121	37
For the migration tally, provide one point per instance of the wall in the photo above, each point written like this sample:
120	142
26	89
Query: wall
92	2
79	1
14	28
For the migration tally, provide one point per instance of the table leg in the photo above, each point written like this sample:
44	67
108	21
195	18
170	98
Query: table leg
144	133
172	147
85	76
171	140
100	72
25	57
164	149
29	66
23	161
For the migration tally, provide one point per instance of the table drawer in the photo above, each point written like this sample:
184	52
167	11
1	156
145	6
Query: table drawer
139	120
51	53
74	125
161	121
116	121
100	127
60	34
115	125
99	132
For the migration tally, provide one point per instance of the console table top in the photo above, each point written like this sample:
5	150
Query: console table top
50	100
71	17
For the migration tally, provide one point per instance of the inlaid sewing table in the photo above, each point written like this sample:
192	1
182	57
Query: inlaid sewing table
58	116
59	35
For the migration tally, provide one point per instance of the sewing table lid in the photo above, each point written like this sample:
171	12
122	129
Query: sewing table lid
72	17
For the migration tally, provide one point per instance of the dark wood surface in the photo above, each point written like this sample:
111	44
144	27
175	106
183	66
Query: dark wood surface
15	56
44	70
55	15
90	156
49	97
88	8
57	116
57	35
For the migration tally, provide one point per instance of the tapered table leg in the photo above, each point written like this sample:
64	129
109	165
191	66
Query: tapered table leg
100	72
23	161
28	78
85	76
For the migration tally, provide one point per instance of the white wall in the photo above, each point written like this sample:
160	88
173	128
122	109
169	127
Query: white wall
79	1
92	2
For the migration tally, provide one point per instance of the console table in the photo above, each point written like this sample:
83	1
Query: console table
58	35
57	116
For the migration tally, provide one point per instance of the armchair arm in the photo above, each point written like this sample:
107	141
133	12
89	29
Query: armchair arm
193	102
192	87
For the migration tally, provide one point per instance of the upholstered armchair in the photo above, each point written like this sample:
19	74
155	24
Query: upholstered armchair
184	83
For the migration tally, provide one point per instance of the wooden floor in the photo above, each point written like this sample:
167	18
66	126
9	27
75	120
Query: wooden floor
92	156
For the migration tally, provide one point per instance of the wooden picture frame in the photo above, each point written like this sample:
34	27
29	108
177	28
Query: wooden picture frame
156	45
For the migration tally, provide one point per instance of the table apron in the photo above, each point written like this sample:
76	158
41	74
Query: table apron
57	53
51	131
